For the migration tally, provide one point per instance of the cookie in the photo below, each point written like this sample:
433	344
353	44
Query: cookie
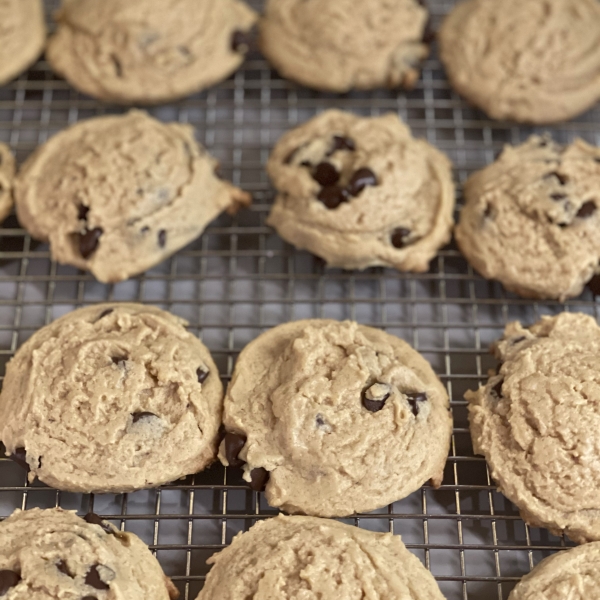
310	558
537	423
7	174
148	51
117	195
361	192
111	398
53	553
531	218
335	417
22	36
571	574
534	62
339	45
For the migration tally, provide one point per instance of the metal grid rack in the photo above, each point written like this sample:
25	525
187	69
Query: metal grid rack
240	278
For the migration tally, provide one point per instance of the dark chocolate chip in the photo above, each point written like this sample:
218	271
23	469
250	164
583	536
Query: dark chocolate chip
558	197
341	142
61	565
319	420
118	360
162	238
333	196
94	519
325	174
587	209
93	579
360	180
141	415
240	41
234	442
373	405
497	389
374	397
414	398
88	241
202	374
399	237
105	313
82	212
562	179
594	285
259	477
8	580
20	457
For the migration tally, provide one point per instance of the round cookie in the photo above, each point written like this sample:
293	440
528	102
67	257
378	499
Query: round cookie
531	218
310	558
7	174
22	36
111	398
571	574
117	195
336	417
148	51
339	45
533	61
53	553
537	422
361	192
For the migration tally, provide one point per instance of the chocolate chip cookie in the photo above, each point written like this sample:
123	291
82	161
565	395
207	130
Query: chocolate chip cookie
537	422
117	195
362	192
531	218
335	418
536	61
338	45
571	574
7	174
148	51
111	398
309	558
22	36
50	554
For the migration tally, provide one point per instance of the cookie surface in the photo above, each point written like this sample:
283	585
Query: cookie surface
361	192
111	398
571	574
7	175
534	62
117	195
22	36
310	558
531	218
338	45
342	418
148	51
538	421
53	553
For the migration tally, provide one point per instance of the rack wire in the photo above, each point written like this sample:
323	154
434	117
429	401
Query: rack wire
239	278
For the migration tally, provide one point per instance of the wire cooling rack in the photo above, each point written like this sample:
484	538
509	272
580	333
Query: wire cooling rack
239	278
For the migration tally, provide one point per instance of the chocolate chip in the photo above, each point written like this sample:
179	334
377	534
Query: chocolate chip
240	42
202	374
333	196
82	212
141	415
93	579
562	179
259	477
399	237
8	579
375	396
162	238
319	420
94	519
558	197
61	565
587	209
341	142
20	457
594	285
118	360
88	241
325	174
360	180
105	313
234	442
414	398
497	389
